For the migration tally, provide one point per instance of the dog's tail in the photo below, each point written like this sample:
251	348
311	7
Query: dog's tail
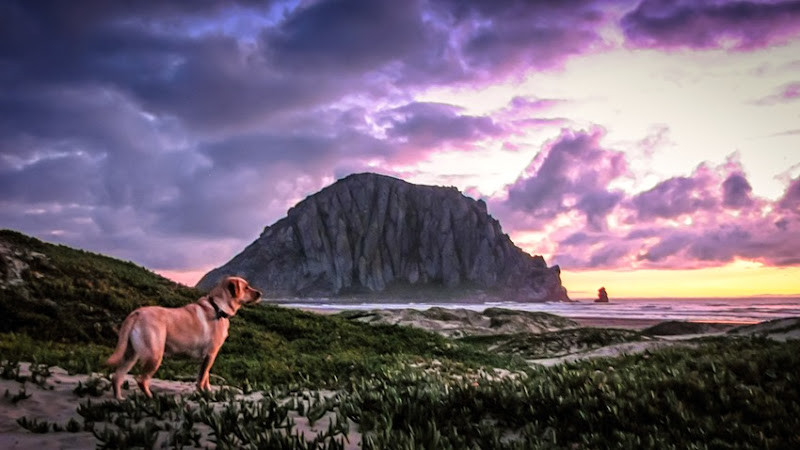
122	343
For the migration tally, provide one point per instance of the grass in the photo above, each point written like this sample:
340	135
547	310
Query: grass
402	387
553	343
279	346
722	393
73	297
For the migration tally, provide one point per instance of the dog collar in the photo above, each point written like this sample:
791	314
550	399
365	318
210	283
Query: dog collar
220	314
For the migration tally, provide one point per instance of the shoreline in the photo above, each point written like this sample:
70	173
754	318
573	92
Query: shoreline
584	321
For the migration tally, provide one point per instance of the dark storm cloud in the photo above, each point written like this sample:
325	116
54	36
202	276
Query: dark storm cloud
347	36
65	178
428	125
212	80
506	35
571	173
710	24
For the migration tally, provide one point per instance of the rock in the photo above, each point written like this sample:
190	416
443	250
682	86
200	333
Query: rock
602	296
461	322
370	233
677	327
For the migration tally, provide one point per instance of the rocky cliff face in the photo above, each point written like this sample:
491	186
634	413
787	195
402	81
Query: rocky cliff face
373	233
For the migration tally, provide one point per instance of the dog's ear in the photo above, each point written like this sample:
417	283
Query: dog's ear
233	288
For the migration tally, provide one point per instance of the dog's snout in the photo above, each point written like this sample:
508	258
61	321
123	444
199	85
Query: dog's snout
257	294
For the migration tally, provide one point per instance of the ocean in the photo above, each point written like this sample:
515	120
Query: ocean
737	310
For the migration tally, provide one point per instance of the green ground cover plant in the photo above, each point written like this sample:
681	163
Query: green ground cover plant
553	343
721	393
399	387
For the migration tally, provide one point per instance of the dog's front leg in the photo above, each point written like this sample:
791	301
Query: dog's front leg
205	367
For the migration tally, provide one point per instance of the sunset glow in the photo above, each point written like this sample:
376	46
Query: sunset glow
730	281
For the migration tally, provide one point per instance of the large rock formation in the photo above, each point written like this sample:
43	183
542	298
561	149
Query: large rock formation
374	233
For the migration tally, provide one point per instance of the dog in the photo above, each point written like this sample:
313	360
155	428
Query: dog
197	330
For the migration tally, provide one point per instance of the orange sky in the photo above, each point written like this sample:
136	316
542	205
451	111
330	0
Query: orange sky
739	279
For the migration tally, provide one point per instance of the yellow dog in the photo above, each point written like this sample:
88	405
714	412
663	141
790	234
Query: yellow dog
197	329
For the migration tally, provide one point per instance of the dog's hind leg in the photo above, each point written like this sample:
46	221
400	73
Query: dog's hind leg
149	367
119	374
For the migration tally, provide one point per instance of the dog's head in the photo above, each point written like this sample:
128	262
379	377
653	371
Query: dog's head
233	293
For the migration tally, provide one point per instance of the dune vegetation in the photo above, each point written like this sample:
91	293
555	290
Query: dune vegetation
389	387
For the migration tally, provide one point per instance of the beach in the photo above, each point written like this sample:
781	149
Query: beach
624	313
541	339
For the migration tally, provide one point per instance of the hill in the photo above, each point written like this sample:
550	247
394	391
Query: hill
370	233
58	293
64	306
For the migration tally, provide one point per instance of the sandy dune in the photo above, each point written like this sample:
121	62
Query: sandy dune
56	402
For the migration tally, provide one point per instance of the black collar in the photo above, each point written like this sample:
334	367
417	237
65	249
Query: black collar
220	314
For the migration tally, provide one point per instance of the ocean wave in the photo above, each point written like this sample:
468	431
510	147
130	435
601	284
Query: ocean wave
731	310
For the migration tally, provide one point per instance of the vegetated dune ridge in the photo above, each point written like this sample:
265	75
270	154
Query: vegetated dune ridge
47	407
389	386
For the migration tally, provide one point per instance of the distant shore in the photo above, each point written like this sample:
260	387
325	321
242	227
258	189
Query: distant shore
597	322
631	314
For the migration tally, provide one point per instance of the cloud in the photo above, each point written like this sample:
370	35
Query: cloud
787	93
355	36
572	172
790	201
509	35
703	24
736	191
429	125
676	196
705	219
170	133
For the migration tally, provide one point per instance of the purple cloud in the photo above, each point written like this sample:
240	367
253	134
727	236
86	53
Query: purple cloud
736	191
533	104
676	196
428	125
508	35
787	93
571	173
704	24
150	130
791	198
348	36
708	218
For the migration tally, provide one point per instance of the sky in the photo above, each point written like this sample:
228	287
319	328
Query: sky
648	146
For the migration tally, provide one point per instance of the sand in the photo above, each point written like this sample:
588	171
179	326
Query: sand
56	402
